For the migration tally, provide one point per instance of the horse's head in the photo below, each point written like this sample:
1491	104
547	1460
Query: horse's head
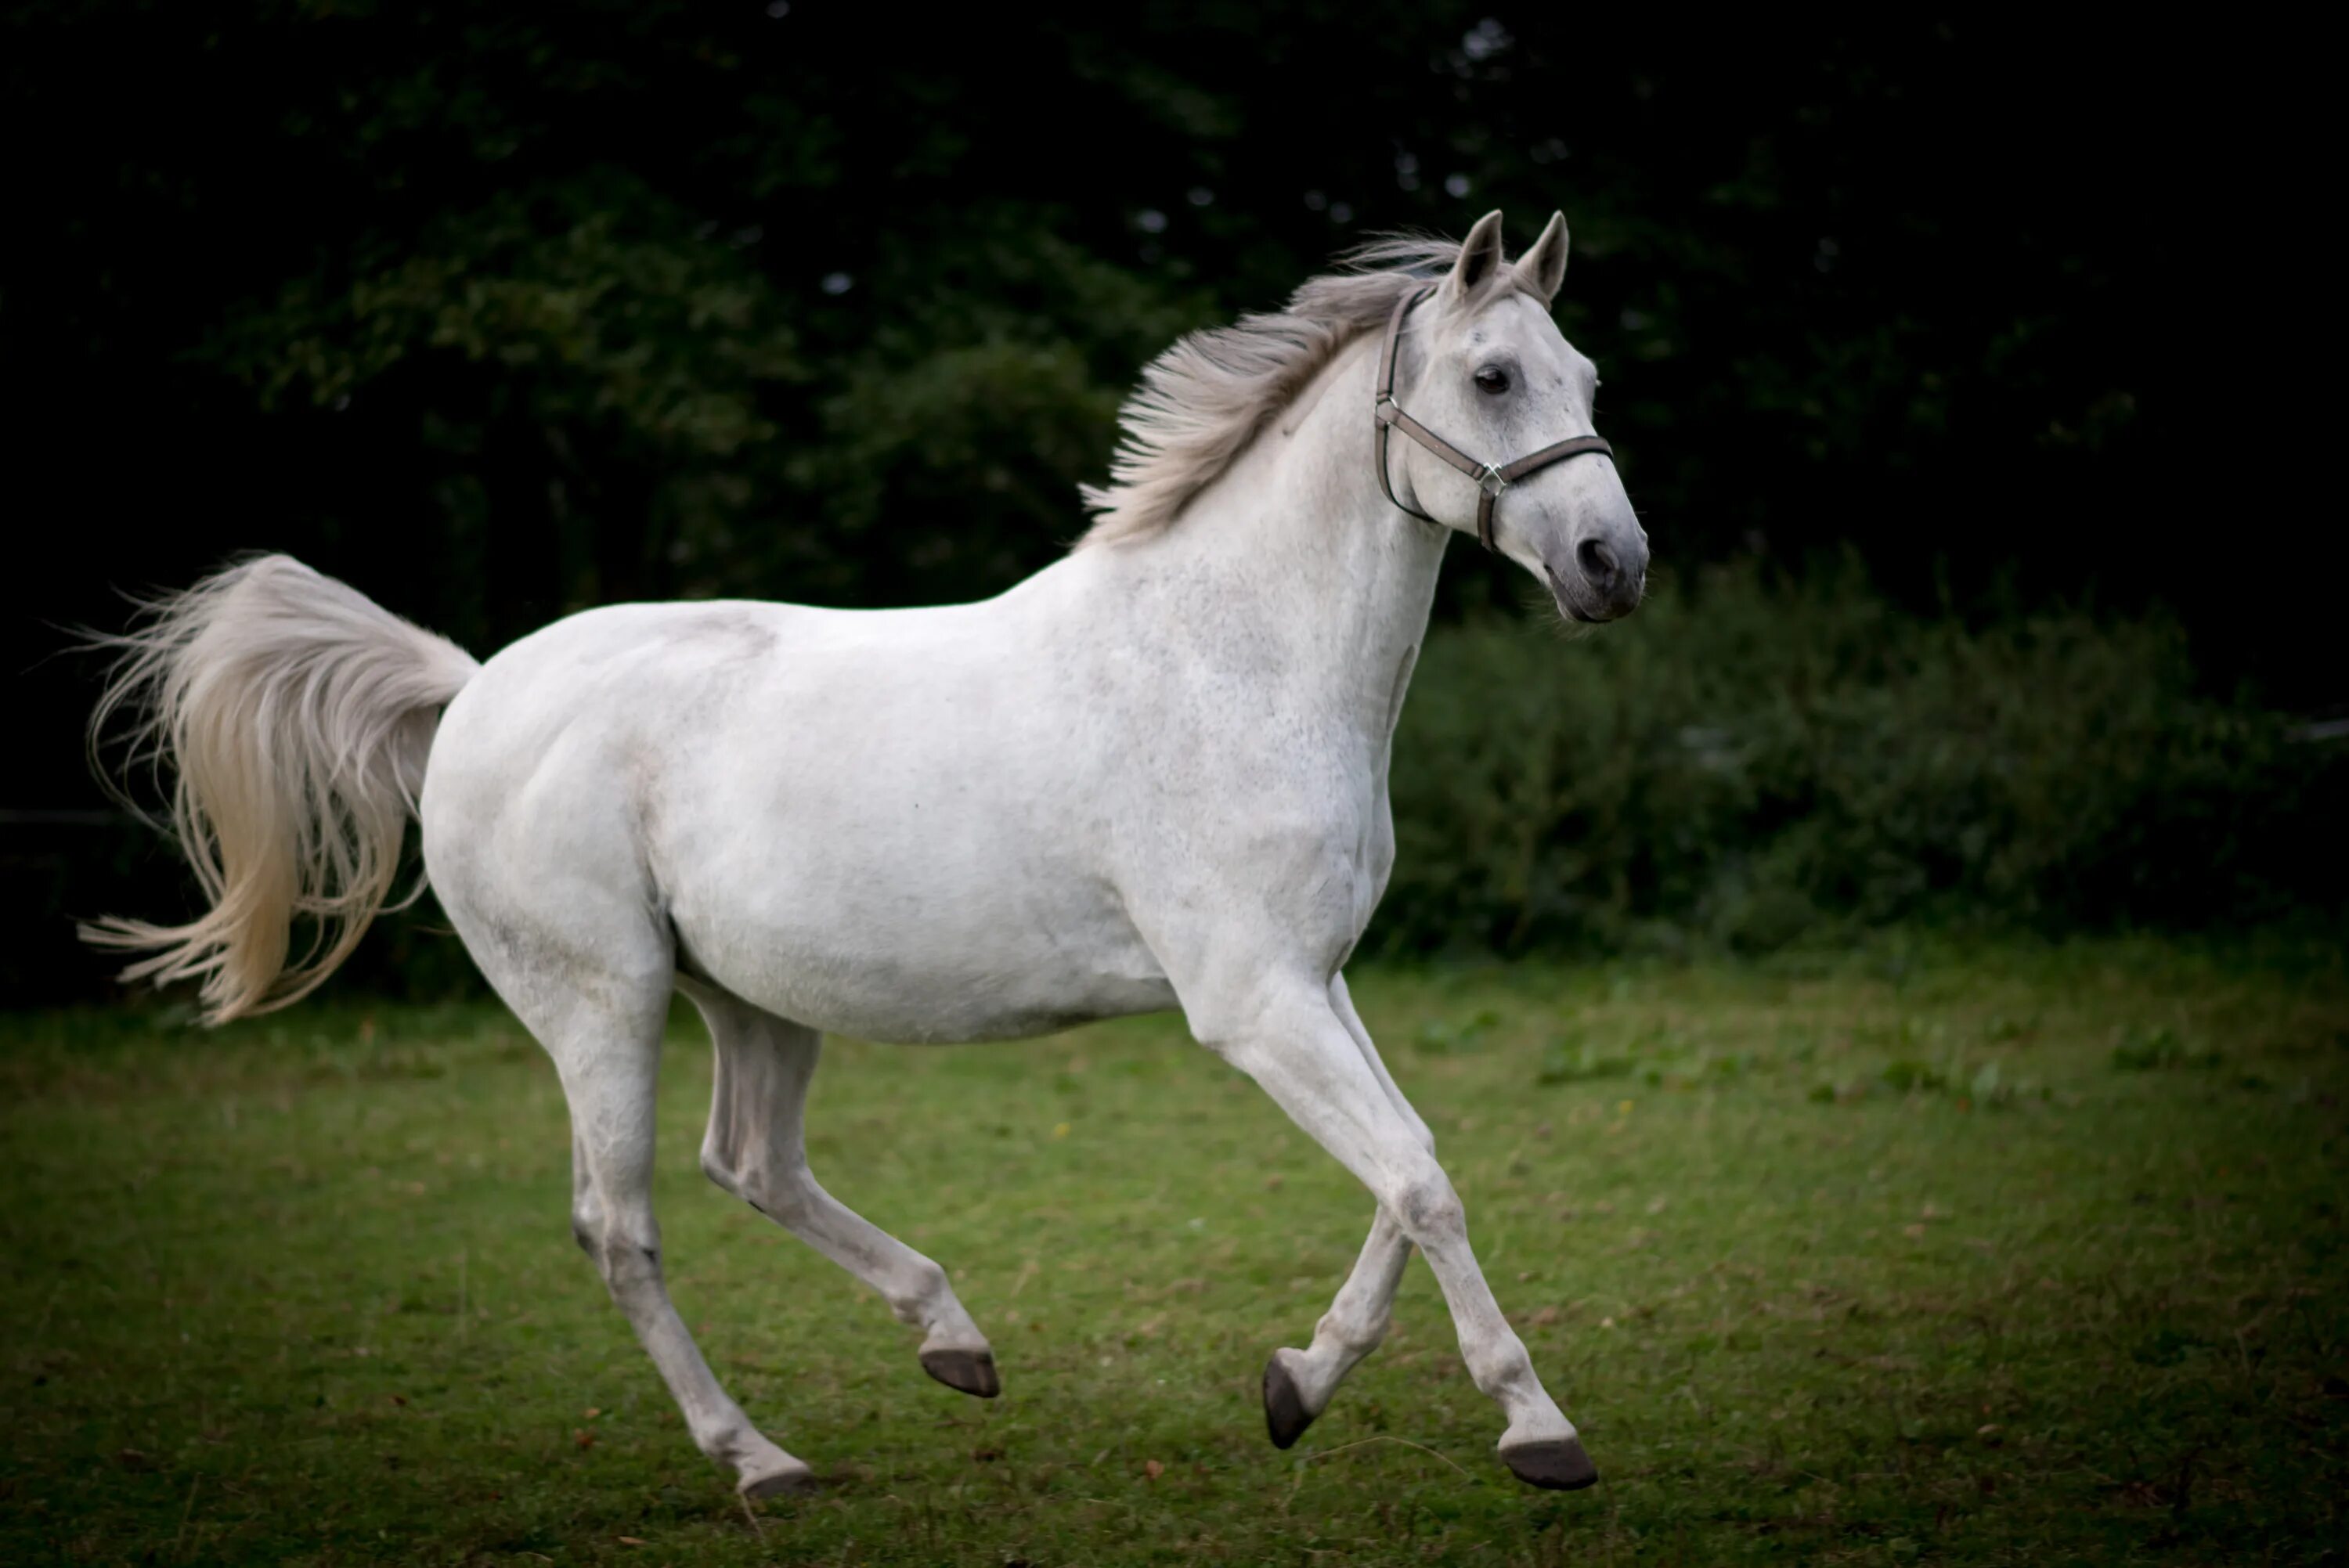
1487	367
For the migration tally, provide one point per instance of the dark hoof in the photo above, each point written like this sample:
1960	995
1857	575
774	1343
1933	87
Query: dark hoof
965	1371
794	1480
1556	1465
1285	1415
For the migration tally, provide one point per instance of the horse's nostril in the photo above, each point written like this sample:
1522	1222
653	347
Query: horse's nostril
1598	562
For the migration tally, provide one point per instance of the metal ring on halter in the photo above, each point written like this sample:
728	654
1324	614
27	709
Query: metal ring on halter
1491	478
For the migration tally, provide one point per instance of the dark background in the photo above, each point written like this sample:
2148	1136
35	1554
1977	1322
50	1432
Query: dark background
499	315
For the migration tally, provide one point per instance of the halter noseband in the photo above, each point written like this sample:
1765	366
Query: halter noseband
1491	478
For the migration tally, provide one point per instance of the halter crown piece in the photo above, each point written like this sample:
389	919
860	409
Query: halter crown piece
1491	478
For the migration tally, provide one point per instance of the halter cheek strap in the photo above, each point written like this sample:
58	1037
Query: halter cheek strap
1491	478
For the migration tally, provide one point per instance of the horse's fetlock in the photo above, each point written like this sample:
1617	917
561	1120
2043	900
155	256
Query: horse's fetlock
917	1297
729	1445
1364	1335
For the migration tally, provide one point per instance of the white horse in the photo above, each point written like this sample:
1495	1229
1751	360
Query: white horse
1153	775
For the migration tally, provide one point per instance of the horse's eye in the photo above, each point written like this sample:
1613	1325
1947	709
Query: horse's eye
1492	381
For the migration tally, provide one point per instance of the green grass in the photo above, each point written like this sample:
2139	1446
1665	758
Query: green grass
2001	1254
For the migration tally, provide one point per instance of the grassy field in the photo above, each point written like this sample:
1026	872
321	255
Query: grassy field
2004	1254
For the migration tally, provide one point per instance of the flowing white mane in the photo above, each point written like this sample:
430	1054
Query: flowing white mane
1201	402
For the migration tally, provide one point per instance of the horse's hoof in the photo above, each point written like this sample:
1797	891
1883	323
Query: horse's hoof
1555	1464
793	1480
1285	1415
965	1371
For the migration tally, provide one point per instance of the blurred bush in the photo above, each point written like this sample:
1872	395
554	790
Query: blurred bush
1748	762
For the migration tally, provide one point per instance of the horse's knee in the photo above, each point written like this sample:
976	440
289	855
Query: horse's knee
1428	1208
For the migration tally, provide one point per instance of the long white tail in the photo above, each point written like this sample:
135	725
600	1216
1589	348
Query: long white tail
297	715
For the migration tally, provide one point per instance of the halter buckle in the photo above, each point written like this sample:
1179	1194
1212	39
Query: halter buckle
1491	481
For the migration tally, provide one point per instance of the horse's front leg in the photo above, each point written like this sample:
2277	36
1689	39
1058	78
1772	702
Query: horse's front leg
1287	1037
1299	1384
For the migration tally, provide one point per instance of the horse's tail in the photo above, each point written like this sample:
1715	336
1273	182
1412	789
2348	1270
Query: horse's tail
297	716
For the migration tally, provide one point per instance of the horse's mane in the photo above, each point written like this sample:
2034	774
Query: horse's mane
1201	402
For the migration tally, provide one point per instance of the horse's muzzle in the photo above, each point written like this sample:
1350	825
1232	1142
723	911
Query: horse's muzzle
1604	581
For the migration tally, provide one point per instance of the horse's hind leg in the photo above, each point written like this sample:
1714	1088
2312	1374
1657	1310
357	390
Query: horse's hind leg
610	1086
598	1007
756	1150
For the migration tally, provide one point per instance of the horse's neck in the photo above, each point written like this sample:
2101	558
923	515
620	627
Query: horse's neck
1302	558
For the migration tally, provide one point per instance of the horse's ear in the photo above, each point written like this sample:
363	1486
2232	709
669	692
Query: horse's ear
1542	269
1480	258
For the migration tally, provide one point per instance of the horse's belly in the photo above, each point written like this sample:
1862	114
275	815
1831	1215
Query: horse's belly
932	971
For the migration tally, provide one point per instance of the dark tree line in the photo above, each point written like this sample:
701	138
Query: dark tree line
500	312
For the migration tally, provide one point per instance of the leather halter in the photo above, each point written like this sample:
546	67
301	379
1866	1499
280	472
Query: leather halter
1491	478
